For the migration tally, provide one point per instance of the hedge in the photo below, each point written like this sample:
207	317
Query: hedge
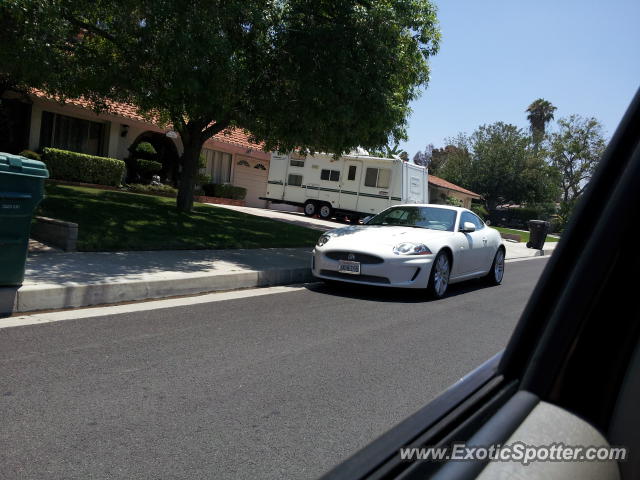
78	167
148	167
163	190
224	191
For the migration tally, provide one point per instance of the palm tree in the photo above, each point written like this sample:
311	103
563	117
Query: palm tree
540	112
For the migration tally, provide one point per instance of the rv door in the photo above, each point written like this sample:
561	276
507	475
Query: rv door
350	185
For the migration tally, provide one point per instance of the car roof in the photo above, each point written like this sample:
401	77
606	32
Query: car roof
436	205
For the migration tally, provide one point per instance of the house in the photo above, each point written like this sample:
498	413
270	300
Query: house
37	121
440	189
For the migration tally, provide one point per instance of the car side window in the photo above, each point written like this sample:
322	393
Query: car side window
473	218
477	221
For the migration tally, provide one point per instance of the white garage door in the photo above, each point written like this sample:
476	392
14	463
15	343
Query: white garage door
252	175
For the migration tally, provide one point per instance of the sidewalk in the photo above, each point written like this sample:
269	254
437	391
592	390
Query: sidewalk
64	280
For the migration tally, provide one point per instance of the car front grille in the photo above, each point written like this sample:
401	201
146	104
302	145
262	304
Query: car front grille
354	278
355	257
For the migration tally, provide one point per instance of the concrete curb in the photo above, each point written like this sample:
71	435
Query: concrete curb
31	298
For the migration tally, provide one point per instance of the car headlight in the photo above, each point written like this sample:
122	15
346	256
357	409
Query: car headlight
410	248
322	240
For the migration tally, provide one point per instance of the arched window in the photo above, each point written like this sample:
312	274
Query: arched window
243	163
260	166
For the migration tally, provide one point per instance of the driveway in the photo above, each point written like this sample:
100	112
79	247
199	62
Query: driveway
295	218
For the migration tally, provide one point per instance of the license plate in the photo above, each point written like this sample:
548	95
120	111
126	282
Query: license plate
345	266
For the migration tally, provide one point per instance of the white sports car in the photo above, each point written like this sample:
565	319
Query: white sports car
412	246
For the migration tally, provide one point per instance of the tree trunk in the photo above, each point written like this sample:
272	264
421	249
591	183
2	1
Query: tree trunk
193	134
190	158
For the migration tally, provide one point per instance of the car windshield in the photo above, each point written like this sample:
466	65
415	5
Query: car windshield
433	218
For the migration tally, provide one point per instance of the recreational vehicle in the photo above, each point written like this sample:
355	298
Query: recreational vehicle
353	186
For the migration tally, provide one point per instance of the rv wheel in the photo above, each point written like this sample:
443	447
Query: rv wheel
310	209
326	211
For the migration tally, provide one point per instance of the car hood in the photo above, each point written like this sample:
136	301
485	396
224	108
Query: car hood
363	235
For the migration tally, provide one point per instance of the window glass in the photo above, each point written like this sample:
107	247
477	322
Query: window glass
423	217
330	175
295	180
384	177
352	173
473	218
218	165
296	163
477	221
371	177
74	134
377	177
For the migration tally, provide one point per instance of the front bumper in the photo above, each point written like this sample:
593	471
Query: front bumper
404	271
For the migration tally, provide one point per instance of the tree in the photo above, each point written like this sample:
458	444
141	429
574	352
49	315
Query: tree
496	161
421	158
540	112
454	162
576	149
322	75
439	157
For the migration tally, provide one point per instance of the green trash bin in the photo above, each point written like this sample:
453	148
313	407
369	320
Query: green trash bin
21	190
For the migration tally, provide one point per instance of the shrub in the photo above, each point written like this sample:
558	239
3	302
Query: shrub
454	202
557	224
479	210
224	191
201	179
145	147
78	167
163	190
148	167
30	154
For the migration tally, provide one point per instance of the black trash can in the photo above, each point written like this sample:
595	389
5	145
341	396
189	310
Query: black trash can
21	190
538	230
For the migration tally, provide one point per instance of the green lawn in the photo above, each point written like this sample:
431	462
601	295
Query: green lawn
524	236
112	220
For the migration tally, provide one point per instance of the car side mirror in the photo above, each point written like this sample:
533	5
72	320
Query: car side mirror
365	220
468	227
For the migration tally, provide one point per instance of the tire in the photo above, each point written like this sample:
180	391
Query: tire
439	276
325	211
496	274
310	209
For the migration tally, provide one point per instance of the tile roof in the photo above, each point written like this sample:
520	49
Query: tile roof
441	182
233	136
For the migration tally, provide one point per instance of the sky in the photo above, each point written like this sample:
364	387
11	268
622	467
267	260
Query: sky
496	57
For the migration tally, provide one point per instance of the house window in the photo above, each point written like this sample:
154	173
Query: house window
74	134
352	173
243	163
217	166
296	163
260	166
295	180
377	177
330	175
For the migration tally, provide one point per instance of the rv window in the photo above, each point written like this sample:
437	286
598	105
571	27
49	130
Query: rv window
384	177
295	180
352	173
377	177
296	163
331	175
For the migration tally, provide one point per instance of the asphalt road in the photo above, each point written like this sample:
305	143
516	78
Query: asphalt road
275	386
